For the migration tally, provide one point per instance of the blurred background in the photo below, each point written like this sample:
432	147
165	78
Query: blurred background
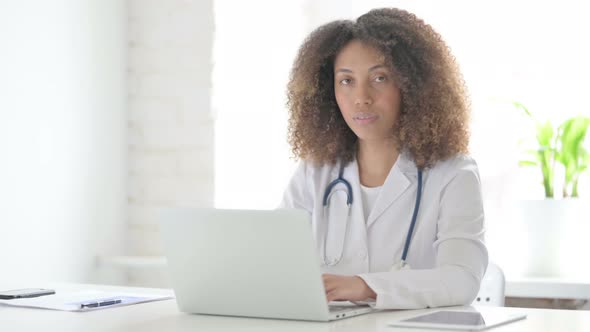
112	109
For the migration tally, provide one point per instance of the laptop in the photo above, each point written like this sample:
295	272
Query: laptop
247	263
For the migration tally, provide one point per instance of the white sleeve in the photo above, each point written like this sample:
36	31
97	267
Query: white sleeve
297	194
461	255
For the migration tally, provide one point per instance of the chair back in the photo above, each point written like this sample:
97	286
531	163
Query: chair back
491	291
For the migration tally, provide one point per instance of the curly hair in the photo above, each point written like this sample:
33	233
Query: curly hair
434	112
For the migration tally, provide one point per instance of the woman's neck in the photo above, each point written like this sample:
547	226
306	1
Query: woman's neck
375	159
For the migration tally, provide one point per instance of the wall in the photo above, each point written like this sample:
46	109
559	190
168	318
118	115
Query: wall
170	124
62	135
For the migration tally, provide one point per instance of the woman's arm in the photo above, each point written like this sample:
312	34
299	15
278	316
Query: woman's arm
461	255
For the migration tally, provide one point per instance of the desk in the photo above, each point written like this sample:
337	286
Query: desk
164	316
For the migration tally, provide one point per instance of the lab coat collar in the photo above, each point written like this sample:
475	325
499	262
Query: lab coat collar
397	182
406	164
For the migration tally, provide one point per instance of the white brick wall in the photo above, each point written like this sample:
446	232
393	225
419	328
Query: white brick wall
170	126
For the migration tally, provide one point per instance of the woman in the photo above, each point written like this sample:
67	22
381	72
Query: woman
381	101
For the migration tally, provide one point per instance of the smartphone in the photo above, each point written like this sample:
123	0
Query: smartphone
24	293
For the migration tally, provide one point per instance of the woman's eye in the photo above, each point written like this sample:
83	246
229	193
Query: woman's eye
380	79
345	81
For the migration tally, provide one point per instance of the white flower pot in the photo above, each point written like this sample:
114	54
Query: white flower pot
555	237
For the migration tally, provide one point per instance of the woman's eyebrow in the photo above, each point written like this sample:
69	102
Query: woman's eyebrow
346	70
343	70
377	67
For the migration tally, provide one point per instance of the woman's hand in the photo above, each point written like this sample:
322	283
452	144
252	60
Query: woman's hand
346	288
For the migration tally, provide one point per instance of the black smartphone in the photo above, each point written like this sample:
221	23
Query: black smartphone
24	293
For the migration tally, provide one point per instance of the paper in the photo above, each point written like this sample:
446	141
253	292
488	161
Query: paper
71	301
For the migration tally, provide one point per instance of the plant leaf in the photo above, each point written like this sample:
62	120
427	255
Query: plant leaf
527	163
573	133
522	107
545	134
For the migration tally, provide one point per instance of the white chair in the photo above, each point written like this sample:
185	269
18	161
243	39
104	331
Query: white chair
491	291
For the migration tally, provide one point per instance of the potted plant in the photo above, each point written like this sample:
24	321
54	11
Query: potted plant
564	146
555	226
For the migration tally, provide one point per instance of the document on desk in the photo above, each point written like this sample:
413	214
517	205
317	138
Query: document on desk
87	300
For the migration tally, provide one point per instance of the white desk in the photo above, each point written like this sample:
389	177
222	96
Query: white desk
164	316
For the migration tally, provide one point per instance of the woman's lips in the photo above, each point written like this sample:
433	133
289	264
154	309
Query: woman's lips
365	118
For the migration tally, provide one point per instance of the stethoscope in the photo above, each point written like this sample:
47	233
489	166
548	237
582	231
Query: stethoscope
348	191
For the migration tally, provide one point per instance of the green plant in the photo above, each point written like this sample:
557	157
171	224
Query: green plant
564	145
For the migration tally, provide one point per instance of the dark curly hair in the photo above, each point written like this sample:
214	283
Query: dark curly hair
434	113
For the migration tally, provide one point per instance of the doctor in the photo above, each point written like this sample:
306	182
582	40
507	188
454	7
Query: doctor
379	119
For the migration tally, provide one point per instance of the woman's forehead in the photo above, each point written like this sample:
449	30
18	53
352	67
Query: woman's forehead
358	55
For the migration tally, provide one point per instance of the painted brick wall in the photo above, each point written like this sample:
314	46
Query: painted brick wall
170	125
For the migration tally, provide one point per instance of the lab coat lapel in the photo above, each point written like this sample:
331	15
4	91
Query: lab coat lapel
396	183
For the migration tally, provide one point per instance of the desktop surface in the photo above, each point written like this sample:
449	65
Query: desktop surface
165	316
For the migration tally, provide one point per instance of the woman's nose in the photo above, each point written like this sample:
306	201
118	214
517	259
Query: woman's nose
363	96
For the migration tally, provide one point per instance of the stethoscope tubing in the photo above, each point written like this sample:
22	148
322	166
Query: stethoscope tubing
414	217
339	179
349	199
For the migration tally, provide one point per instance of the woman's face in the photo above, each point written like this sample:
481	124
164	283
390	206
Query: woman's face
366	93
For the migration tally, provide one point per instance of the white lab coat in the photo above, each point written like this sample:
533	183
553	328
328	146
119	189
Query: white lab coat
447	253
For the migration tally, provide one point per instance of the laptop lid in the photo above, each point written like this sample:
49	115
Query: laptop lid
244	263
